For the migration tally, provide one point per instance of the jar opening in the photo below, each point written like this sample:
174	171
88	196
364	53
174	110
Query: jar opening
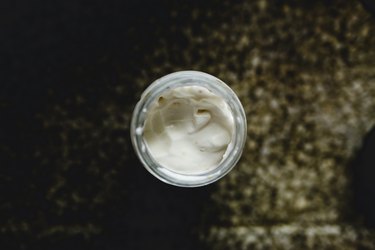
188	129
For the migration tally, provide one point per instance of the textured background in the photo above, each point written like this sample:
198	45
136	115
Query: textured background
72	72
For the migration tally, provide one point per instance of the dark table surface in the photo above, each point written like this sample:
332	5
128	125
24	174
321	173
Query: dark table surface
72	72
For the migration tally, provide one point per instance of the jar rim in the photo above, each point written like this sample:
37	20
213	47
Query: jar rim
180	79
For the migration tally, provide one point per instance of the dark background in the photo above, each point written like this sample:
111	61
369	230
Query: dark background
67	178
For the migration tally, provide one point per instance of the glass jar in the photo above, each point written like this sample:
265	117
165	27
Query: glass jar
182	79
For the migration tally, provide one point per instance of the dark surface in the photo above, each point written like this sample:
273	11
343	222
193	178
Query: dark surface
69	178
369	5
364	180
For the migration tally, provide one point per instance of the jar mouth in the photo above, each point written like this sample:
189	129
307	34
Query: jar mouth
182	79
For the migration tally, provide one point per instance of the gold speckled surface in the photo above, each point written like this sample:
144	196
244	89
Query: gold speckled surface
306	77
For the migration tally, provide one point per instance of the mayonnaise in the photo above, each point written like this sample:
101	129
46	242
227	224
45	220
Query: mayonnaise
189	129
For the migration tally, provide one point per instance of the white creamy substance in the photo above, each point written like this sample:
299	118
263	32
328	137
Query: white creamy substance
188	129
